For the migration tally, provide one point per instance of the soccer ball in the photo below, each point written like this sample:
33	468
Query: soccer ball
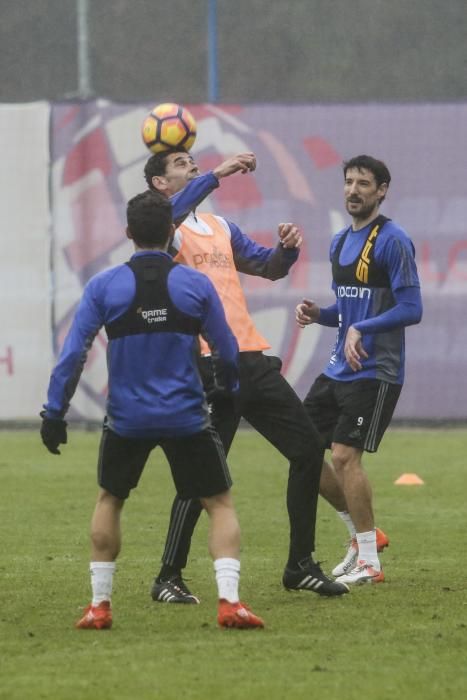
167	126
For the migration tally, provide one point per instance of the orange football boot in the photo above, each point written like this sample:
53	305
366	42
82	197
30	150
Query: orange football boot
96	617
237	615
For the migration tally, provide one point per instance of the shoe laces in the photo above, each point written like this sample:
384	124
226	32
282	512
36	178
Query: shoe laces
310	564
362	565
179	584
91	610
245	606
176	582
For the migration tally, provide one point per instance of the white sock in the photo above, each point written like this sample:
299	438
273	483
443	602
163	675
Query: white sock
101	580
227	577
367	551
344	515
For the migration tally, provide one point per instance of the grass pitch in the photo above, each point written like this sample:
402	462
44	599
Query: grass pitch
405	639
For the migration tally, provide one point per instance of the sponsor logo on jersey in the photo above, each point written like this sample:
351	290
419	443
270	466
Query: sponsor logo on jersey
153	315
364	262
215	259
351	292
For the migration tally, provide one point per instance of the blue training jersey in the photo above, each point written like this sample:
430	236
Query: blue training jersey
154	385
372	270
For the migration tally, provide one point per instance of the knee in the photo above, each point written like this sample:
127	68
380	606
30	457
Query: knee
310	455
221	502
345	459
310	448
221	507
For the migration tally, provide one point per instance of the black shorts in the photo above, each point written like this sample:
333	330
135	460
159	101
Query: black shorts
269	404
197	462
352	413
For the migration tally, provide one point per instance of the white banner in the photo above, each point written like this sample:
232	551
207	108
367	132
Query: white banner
25	311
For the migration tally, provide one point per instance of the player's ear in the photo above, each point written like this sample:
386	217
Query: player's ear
128	233
383	190
159	183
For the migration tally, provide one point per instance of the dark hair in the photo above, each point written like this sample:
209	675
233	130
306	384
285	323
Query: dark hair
156	165
149	219
377	167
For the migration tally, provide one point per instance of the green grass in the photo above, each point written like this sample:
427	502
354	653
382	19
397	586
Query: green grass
406	638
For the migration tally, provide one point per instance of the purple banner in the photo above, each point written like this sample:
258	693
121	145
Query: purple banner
98	159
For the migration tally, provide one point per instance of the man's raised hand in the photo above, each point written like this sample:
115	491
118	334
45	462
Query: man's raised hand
242	162
290	236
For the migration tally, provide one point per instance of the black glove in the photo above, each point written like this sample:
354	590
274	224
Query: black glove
53	433
220	380
218	393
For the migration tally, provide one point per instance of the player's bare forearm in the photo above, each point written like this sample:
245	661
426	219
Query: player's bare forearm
242	162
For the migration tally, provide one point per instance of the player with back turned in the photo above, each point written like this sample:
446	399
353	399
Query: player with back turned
377	292
153	311
221	250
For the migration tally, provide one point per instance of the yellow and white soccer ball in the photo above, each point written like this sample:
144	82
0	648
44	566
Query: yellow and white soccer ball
169	125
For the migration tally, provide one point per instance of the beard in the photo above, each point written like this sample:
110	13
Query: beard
359	210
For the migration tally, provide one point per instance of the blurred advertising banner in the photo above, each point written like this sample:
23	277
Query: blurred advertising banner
25	310
97	160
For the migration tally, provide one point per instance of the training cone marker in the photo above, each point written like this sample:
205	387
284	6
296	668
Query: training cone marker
409	480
